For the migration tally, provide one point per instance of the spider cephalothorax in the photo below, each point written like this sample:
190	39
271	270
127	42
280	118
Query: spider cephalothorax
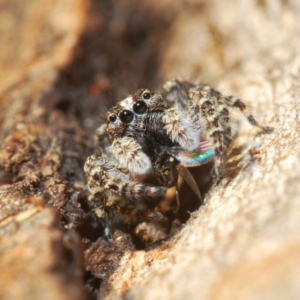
154	136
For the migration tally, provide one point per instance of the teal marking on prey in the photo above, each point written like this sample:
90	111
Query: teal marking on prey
194	159
200	158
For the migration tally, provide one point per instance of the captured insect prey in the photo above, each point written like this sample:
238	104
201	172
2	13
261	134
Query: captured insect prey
149	140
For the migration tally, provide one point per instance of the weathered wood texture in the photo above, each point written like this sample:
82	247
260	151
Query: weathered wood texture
38	260
62	63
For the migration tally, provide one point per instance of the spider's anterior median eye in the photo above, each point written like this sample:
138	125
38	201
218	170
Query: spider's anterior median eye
112	118
126	116
146	96
139	107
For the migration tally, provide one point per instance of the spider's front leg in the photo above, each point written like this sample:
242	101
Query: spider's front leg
116	197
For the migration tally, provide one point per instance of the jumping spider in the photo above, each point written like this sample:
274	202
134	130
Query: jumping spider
149	139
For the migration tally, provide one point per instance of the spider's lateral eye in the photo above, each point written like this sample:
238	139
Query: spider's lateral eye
126	116
146	95
112	118
139	107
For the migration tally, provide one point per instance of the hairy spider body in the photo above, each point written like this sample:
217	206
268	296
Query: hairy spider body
153	136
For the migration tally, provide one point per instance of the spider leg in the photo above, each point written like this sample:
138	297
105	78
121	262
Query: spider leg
208	108
116	197
111	209
212	108
233	101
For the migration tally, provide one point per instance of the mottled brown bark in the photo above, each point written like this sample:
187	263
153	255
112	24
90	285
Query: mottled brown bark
62	63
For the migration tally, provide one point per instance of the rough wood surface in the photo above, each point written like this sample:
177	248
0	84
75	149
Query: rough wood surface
63	63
